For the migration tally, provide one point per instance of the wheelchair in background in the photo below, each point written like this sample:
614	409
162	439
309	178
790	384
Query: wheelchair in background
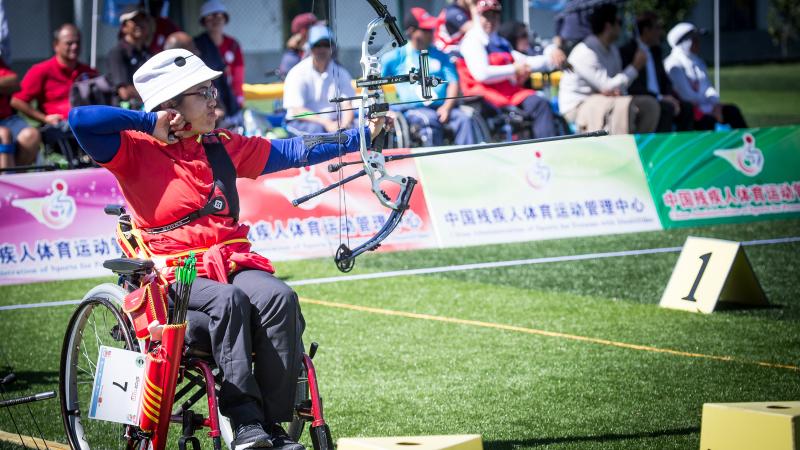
99	320
406	135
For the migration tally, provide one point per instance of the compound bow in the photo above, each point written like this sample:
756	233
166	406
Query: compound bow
372	104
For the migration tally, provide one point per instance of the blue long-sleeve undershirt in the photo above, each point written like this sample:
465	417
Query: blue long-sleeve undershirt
97	129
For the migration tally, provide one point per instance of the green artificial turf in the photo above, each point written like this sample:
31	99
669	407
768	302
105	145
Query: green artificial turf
384	375
768	95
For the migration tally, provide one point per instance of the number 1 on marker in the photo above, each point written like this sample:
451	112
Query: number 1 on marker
705	259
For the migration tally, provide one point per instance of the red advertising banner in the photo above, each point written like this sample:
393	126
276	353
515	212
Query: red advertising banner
281	231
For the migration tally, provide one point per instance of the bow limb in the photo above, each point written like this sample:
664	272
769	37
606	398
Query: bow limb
389	20
345	257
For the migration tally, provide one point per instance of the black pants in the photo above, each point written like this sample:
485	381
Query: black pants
534	108
731	115
255	328
669	121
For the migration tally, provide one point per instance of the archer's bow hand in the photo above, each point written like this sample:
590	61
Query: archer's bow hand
377	125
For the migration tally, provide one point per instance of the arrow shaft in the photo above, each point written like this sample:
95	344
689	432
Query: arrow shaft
470	148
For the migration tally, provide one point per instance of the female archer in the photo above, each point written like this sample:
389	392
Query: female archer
178	175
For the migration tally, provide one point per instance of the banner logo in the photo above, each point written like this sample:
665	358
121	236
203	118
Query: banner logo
55	211
746	159
539	173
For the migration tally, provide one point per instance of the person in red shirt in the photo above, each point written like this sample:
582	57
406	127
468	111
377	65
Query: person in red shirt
19	142
49	82
178	175
214	17
161	27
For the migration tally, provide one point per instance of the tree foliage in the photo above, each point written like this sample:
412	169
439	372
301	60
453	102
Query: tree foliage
670	11
783	22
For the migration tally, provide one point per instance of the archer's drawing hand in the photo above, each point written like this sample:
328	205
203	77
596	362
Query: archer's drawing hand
170	126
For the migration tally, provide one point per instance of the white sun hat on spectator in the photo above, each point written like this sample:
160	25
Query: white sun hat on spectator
168	74
679	32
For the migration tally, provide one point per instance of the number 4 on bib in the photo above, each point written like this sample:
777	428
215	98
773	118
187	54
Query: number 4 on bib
710	271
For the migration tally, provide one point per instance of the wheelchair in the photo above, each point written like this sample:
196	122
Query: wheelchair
99	320
508	123
405	135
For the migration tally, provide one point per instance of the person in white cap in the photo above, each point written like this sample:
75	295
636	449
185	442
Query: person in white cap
222	52
689	76
312	82
129	54
178	176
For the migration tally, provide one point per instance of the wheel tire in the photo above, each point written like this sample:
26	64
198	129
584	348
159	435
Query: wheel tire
480	128
101	316
401	137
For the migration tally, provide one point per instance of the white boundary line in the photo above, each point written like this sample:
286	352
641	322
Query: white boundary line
456	268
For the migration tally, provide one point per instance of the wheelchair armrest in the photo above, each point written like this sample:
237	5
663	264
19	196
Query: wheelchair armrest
128	266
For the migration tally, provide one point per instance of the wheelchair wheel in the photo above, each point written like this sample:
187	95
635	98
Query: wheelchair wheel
401	137
480	127
97	321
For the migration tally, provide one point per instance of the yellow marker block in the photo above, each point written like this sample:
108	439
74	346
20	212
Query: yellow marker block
746	426
709	271
460	442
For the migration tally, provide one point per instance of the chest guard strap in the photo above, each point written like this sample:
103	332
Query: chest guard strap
223	200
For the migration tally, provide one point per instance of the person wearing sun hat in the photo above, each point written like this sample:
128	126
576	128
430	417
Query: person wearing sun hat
223	53
178	176
689	76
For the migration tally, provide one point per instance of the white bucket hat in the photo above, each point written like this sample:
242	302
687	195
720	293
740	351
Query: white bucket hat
211	7
679	32
168	74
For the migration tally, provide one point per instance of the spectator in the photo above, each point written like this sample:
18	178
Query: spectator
492	69
222	52
516	33
128	55
296	45
453	22
160	26
572	26
181	39
593	95
313	82
689	77
433	117
653	79
19	142
49	82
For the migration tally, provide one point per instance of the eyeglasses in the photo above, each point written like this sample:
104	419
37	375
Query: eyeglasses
322	44
209	93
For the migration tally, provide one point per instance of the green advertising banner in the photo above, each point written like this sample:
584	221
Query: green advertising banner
583	187
703	178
